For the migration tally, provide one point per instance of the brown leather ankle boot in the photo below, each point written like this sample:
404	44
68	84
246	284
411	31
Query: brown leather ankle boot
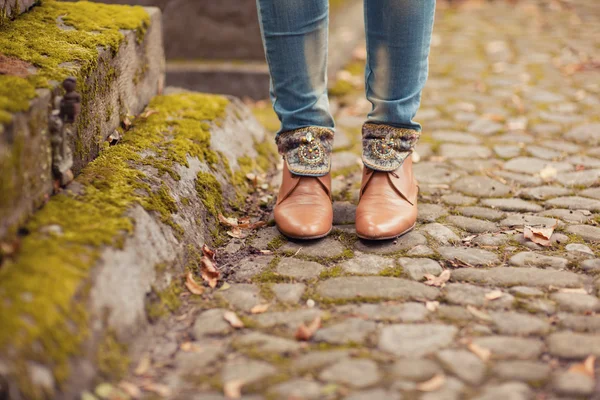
304	209
388	203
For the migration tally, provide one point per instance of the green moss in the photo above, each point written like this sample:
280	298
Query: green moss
112	359
332	272
37	38
267	117
392	271
40	283
210	193
341	88
276	242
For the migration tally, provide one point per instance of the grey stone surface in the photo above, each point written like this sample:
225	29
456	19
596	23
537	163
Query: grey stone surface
417	268
576	302
350	331
414	369
579	323
246	370
420	251
211	322
288	292
263	343
366	264
567	344
508	390
242	296
298	269
263	237
297	388
251	266
472	225
357	373
520	370
403	243
405	340
430	212
404	312
525	291
531	259
344	212
512	204
481	212
319	359
586	134
481	186
530	165
519	220
587	232
374	394
464	364
513	276
465	294
574	216
327	248
573	383
441	233
507	347
476	257
544	192
518	324
355	288
290	319
574	203
457	199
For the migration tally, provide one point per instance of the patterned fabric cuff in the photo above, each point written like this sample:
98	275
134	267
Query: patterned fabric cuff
386	147
307	151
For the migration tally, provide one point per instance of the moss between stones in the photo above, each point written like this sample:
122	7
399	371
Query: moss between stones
112	359
39	285
37	38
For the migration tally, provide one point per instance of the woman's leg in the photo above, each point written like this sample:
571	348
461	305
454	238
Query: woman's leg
398	39
295	39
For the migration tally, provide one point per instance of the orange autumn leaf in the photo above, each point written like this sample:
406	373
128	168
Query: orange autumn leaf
305	332
192	285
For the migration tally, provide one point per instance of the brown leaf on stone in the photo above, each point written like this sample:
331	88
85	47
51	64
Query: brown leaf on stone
432	384
143	366
233	319
158	388
192	285
259	308
573	290
237	233
126	123
228	221
233	389
456	263
548	173
585	368
439	281
208	270
432	306
190	347
478	313
305	332
130	389
481	352
494	295
540	236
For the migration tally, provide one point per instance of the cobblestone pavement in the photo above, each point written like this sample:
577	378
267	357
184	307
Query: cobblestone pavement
512	139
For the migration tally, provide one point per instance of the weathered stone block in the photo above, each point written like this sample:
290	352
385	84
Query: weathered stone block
118	71
12	8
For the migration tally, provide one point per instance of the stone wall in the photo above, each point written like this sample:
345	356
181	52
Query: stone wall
12	8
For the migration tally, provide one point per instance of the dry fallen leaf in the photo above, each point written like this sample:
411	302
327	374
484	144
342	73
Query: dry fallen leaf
143	366
481	352
192	285
432	306
494	295
438	281
432	384
259	308
233	319
573	290
130	389
190	347
478	313
586	367
148	113
158	388
305	332
540	236
237	233
228	221
233	389
208	270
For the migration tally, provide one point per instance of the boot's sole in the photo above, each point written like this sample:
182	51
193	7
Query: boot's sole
388	237
305	237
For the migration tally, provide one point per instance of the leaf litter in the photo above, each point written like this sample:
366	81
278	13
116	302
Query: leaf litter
306	332
540	236
438	281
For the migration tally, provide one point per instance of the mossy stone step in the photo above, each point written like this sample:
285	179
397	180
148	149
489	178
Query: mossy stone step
115	52
107	255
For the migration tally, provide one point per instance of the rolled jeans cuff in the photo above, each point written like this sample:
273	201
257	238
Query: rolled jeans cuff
385	147
307	151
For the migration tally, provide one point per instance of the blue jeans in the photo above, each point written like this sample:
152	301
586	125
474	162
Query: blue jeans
398	36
